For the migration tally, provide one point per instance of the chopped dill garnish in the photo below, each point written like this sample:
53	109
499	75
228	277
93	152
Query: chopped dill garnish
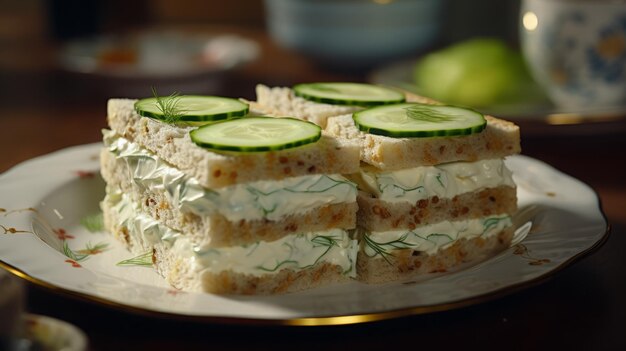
168	105
144	260
426	113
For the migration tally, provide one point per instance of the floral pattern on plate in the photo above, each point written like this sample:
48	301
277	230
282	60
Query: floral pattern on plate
558	222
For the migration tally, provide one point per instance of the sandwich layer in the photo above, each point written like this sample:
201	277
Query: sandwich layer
233	215
292	263
173	144
399	254
499	139
377	215
418	196
444	180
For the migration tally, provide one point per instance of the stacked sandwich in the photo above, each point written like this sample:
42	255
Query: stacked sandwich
434	191
246	205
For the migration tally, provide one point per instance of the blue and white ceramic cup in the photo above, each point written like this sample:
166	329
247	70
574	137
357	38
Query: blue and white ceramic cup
576	49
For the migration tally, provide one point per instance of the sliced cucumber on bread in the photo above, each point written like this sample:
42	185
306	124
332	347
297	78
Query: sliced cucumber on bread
354	94
256	134
191	109
414	120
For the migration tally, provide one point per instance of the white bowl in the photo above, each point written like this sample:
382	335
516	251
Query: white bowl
354	33
577	50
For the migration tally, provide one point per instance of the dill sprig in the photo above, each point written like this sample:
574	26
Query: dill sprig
318	241
144	260
490	223
324	240
169	106
426	113
380	248
277	265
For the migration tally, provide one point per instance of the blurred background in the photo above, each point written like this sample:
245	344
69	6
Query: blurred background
57	37
60	60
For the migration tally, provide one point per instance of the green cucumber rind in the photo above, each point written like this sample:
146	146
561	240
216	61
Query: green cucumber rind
253	149
194	118
345	102
425	133
421	134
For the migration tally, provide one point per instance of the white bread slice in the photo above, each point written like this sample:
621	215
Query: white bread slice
499	139
377	215
178	269
408	264
214	230
281	101
213	170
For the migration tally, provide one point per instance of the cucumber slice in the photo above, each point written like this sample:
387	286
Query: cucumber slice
192	109
413	120
254	134
354	94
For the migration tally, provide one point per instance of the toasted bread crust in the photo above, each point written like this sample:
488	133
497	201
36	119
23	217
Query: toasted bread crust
409	264
377	215
173	144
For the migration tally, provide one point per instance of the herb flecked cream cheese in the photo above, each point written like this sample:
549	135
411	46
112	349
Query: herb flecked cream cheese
270	200
432	238
296	251
445	180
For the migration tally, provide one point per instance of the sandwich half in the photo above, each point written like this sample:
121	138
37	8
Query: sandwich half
434	191
243	218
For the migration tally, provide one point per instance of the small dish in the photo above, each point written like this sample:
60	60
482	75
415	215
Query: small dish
157	54
52	334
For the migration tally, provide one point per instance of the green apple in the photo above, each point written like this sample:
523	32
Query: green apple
478	72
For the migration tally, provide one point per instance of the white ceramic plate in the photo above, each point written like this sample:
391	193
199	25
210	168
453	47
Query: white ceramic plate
44	200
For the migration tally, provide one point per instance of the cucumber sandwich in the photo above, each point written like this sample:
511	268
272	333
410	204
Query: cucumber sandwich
434	191
223	202
307	186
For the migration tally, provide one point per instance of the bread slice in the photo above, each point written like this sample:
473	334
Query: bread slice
499	139
172	143
377	215
407	264
179	263
214	229
281	101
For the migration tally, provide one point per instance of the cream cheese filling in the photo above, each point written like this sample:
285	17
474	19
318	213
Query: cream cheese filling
270	200
296	251
432	238
445	180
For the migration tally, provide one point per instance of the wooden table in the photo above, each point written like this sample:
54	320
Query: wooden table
582	307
